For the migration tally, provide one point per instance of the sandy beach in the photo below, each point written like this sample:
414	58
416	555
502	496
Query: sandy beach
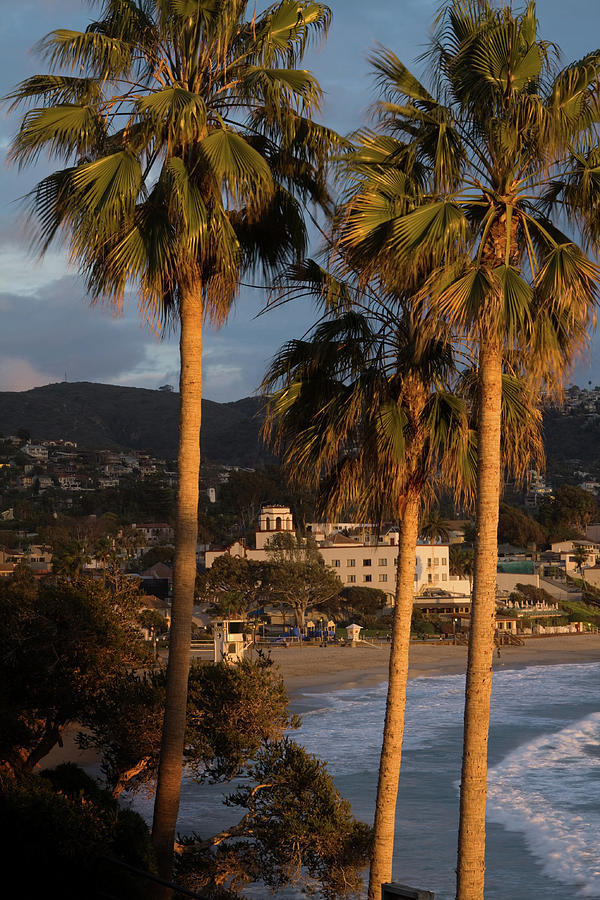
308	669
315	669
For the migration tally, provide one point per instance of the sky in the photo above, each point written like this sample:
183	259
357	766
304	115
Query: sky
48	330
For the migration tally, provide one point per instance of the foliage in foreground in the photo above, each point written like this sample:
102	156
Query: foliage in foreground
71	654
71	824
295	825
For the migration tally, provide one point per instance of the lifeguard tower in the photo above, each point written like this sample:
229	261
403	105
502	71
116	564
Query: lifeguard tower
230	640
353	634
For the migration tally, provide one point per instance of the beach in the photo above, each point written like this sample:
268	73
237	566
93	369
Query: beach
334	668
314	670
544	756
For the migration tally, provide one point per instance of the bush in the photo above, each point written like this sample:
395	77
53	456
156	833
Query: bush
56	828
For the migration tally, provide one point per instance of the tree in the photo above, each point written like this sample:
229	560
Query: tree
58	827
187	133
68	655
232	711
568	511
461	561
500	147
518	528
434	528
367	601
66	646
295	825
231	584
364	412
296	575
581	556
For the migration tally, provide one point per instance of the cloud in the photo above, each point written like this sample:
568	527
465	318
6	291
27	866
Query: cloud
54	331
17	374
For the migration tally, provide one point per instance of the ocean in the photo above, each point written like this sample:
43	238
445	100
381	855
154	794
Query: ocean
543	831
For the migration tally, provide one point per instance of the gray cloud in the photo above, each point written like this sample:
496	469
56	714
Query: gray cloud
47	327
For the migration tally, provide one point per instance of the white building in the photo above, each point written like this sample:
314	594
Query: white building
566	551
365	558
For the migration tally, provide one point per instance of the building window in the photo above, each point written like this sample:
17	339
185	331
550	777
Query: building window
429	561
383	576
383	561
336	563
444	562
444	576
429	578
436	577
351	579
366	562
351	562
367	577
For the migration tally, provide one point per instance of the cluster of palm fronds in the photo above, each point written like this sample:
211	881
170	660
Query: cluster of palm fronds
460	279
460	284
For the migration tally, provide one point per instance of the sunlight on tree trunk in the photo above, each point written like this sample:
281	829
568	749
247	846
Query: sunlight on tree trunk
391	750
473	792
166	805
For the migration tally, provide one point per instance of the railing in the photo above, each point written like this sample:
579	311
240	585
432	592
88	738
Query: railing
402	892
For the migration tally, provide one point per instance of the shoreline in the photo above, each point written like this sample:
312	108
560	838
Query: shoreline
317	670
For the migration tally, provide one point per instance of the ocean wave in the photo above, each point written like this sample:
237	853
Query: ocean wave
542	790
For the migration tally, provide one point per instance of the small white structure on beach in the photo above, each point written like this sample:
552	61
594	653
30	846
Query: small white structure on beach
354	633
229	640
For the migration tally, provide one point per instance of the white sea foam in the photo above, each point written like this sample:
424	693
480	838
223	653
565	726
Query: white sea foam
547	790
544	777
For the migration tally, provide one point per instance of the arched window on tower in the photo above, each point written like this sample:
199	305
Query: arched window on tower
278	523
268	524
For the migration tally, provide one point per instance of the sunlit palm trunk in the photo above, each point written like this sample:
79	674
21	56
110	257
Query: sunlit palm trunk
391	750
166	806
471	838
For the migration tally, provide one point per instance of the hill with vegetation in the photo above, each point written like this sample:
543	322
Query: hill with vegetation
572	435
126	418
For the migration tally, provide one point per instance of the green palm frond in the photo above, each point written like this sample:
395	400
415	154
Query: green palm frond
235	164
55	89
61	131
298	87
187	202
395	79
182	113
101	55
109	186
287	27
464	300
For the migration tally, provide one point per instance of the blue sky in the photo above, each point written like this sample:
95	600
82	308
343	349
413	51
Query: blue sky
48	329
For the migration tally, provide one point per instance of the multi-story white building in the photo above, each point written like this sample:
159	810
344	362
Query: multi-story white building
358	555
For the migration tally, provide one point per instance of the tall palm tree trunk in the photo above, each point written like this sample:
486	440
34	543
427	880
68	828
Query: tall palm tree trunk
391	749
166	806
473	791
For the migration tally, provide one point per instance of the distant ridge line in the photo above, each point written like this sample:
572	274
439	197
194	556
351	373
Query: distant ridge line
100	416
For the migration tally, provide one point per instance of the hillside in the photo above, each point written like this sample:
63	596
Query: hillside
572	436
104	415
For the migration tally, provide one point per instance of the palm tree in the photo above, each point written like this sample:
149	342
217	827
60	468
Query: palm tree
187	133
433	528
461	563
364	412
504	149
580	555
